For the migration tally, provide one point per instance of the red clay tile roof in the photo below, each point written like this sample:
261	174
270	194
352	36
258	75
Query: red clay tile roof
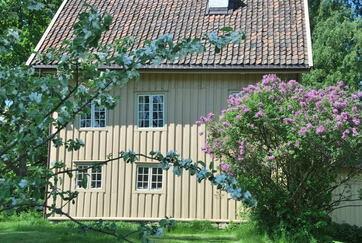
277	31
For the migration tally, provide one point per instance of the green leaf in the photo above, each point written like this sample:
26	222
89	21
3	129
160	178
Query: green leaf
202	163
212	165
84	182
227	29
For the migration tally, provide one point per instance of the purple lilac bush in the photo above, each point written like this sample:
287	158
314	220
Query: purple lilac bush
288	145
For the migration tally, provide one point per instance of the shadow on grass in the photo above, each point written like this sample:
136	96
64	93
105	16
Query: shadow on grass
37	230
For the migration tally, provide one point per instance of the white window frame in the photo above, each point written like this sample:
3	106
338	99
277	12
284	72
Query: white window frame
89	173
150	119
93	120
235	92
150	173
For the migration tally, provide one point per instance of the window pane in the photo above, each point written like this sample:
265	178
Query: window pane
145	173
156	178
85	119
146	103
141	123
143	111
157	115
99	116
157	123
94	177
81	174
96	181
142	177
157	99
95	117
85	123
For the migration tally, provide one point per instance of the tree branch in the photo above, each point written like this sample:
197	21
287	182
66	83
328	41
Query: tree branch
345	206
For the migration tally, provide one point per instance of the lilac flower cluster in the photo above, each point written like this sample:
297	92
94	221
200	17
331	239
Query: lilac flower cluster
205	119
332	114
241	151
225	167
207	149
234	100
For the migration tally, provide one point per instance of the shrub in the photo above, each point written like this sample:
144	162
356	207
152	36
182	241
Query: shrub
345	232
287	143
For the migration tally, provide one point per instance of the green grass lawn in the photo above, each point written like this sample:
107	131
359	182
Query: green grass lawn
28	228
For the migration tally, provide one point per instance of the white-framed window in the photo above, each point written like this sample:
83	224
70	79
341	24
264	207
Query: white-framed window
151	110
236	93
95	118
149	177
90	175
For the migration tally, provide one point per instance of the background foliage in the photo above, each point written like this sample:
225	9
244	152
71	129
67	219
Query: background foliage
29	18
337	43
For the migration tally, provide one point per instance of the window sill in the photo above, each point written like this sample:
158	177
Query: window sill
148	192
90	190
150	129
93	129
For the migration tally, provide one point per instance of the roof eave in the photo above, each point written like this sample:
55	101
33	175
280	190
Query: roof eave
208	68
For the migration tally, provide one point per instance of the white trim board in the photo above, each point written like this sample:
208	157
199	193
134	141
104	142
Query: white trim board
59	218
50	26
308	34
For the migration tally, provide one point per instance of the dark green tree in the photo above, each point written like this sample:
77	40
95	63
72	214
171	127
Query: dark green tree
337	43
29	18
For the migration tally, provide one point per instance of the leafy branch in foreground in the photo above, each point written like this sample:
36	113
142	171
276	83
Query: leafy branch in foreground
35	108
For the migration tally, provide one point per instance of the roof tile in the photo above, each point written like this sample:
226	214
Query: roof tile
275	30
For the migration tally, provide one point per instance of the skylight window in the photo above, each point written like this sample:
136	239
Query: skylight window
218	6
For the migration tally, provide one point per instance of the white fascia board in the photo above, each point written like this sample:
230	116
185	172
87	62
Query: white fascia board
50	26
308	34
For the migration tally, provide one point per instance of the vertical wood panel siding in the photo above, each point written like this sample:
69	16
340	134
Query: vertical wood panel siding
353	213
187	97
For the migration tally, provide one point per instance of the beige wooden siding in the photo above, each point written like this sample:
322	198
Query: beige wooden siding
188	96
